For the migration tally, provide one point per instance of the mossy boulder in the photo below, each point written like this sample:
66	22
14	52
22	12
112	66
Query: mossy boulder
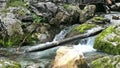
80	29
106	62
5	63
109	40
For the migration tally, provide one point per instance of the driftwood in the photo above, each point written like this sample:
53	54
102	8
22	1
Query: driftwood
41	47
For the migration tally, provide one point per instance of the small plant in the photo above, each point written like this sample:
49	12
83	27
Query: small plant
38	19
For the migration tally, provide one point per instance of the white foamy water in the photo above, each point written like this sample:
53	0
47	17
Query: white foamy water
86	45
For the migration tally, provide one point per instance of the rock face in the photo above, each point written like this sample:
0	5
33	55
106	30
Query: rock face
87	13
4	63
45	9
2	4
109	40
11	25
69	58
107	62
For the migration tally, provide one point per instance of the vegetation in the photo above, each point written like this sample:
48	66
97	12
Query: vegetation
106	62
38	19
106	44
98	19
82	28
13	41
15	3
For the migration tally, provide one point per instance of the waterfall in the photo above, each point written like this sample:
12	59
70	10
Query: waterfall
62	34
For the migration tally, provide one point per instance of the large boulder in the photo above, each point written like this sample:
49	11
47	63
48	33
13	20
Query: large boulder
42	32
69	58
107	62
4	63
87	13
45	9
10	24
69	14
109	40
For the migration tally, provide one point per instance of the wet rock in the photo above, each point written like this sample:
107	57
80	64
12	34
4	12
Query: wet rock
87	13
108	40
115	7
69	58
4	63
107	62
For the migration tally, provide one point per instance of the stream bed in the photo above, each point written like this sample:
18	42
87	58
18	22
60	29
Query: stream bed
44	59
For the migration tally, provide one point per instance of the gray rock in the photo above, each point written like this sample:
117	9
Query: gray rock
10	24
87	13
45	9
2	4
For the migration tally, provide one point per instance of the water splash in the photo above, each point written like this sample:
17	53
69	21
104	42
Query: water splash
86	45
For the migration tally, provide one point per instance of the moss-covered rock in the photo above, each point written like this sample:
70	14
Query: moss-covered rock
109	40
80	29
5	63
106	62
98	20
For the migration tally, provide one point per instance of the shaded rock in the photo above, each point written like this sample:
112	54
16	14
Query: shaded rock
107	62
27	19
68	15
115	7
43	32
45	9
108	40
69	58
87	13
4	63
60	18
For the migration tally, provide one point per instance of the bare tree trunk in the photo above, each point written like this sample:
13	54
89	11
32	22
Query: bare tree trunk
59	43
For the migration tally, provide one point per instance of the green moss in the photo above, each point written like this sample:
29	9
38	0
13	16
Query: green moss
82	28
66	5
38	19
14	41
107	45
98	19
106	62
15	3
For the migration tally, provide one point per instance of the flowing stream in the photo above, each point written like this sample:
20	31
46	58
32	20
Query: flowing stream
45	58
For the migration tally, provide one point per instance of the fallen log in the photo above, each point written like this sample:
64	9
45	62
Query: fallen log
48	45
